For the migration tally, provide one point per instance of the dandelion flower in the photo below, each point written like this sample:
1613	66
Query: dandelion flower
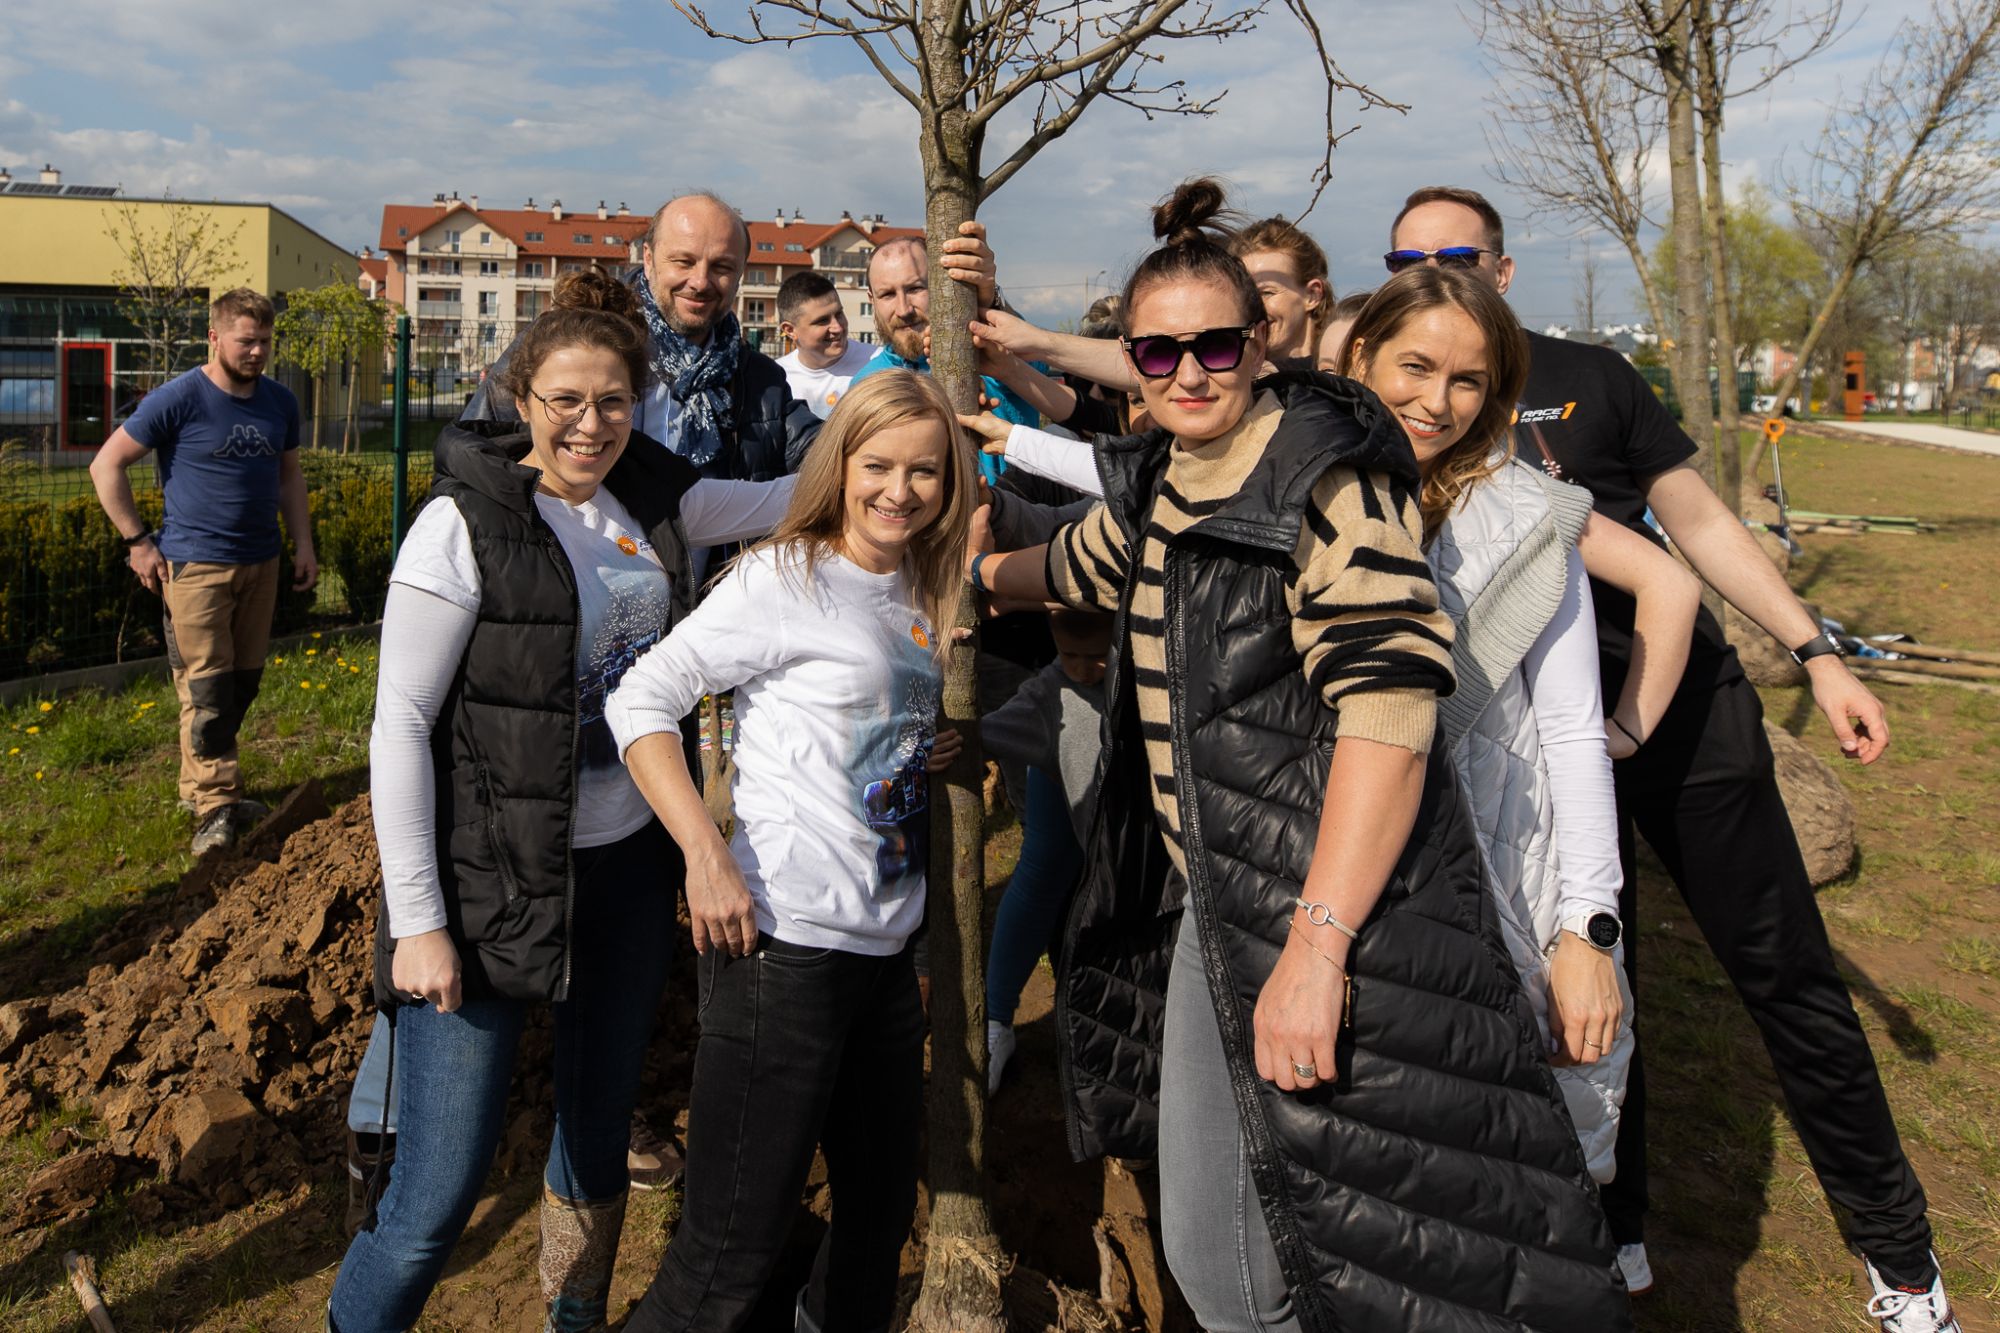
48	707
315	634
305	684
312	652
38	775
277	661
11	753
32	731
150	703
354	671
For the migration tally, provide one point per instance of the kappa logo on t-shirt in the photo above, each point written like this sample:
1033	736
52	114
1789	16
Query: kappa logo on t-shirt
246	441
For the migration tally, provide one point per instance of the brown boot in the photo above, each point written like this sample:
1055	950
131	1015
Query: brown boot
579	1247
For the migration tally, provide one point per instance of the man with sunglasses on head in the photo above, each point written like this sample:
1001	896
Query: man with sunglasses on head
1701	787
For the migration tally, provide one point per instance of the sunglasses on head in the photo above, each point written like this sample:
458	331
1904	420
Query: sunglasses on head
1452	256
1158	355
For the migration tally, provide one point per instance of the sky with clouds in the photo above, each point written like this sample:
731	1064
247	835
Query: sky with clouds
332	109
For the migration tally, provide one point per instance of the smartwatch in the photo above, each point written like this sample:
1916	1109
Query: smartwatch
1601	930
1819	645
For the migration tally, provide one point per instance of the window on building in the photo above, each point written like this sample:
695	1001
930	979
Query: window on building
534	268
613	240
489	268
794	247
867	309
486	238
765	245
489	333
402	232
579	238
754	311
489	303
534	236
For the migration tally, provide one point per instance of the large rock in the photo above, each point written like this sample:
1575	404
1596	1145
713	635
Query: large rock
1822	815
261	1021
69	1186
209	1131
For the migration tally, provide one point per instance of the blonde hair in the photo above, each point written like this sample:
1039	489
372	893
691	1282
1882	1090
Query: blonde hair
817	520
1489	439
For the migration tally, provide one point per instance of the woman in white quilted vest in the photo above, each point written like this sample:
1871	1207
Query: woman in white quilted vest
1514	553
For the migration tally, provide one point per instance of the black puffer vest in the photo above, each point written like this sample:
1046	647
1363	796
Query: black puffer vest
1436	1183
504	747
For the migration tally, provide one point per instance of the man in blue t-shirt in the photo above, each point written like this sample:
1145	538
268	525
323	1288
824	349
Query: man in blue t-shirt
899	288
226	443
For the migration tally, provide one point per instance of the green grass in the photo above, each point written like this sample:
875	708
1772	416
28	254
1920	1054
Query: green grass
88	782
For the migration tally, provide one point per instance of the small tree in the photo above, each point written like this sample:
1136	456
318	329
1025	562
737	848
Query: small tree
170	256
959	64
322	328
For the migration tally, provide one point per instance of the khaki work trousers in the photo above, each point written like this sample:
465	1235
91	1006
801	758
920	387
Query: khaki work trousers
218	626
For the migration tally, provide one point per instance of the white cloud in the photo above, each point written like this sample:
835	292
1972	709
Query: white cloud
334	110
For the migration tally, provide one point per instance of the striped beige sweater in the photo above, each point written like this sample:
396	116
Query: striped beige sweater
1365	615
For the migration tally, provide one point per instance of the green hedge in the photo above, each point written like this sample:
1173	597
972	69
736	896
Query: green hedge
68	600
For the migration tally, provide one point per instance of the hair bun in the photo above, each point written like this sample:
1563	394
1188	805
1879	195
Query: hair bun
1195	211
594	289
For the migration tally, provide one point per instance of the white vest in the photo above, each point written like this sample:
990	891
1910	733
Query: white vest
1500	561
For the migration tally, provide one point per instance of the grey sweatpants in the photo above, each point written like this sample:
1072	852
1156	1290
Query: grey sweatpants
1218	1247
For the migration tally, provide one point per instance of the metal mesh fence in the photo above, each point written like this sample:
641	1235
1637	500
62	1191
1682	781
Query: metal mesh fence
67	597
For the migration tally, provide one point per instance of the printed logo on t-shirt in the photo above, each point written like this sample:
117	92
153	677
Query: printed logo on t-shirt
246	441
897	808
1536	415
919	635
627	545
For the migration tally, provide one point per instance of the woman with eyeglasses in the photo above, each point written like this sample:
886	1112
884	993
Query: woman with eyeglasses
520	864
1280	973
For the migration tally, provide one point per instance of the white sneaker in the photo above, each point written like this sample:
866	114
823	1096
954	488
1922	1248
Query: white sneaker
1000	1044
1904	1311
1638	1273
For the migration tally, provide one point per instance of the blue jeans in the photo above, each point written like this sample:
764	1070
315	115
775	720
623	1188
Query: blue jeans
453	1072
800	1047
1032	907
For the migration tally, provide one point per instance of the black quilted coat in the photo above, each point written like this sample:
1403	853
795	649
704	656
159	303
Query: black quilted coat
504	747
1436	1183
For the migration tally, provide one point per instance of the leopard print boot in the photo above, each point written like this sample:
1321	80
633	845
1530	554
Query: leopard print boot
579	1246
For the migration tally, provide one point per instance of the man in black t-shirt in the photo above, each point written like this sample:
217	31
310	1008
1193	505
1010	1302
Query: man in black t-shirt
1702	789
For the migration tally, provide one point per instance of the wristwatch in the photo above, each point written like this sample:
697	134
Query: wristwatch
1819	645
1601	930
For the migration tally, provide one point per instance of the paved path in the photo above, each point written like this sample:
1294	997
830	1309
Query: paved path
1944	437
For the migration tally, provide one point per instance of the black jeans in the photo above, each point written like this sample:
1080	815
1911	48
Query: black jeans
799	1048
1704	795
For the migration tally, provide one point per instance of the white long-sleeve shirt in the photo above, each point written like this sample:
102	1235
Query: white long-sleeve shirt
836	688
433	605
1561	670
1060	458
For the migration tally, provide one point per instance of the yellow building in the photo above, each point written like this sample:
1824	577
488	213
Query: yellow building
71	363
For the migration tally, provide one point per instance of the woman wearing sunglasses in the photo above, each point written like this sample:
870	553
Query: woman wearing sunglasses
1510	549
520	864
1280	972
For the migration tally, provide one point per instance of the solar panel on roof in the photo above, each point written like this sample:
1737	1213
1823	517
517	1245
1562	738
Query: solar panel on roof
90	191
33	187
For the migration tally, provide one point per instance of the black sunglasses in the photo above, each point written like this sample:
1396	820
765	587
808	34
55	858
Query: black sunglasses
1158	355
1452	256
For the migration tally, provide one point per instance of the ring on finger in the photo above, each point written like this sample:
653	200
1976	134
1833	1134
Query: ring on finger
1305	1071
1595	1045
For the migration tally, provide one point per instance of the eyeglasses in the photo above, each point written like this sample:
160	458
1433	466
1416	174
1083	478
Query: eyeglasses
1452	256
566	409
1158	355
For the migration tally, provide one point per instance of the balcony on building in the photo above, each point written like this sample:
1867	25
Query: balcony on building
440	309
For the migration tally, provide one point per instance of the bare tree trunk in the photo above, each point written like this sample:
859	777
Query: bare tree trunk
962	1256
1656	309
1728	456
353	388
319	406
1691	358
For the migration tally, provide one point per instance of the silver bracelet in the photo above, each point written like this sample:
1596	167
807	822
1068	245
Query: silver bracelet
1322	915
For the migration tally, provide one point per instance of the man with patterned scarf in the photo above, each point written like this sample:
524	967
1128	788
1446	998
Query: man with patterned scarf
722	405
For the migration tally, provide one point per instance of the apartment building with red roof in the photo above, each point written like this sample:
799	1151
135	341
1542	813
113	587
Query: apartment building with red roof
470	274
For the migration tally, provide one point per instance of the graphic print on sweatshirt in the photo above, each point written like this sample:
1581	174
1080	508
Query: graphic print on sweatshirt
897	807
